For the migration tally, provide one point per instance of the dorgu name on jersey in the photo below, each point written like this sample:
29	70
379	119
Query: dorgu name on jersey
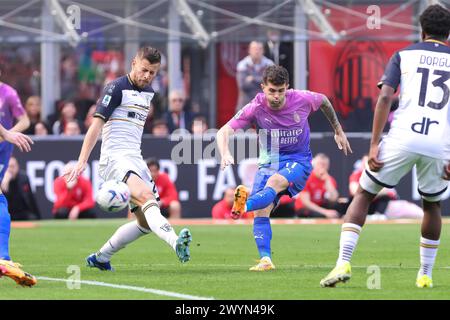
137	115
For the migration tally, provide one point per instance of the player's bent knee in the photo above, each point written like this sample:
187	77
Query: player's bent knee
145	196
277	182
366	193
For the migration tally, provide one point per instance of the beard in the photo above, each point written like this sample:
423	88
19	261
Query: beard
275	104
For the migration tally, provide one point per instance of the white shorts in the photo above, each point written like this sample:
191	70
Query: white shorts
117	168
397	163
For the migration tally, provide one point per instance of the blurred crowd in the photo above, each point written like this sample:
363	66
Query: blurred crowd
71	119
84	73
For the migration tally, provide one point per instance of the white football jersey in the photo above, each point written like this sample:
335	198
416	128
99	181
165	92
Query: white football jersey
421	123
124	108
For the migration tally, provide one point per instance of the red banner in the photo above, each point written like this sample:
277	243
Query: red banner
228	56
349	72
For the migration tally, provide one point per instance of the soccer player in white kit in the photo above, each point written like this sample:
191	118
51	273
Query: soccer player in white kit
419	136
121	114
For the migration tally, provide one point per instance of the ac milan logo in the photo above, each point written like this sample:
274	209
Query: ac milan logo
358	69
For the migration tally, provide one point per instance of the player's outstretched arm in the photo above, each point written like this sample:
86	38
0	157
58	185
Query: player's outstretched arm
23	142
339	134
88	144
381	115
222	138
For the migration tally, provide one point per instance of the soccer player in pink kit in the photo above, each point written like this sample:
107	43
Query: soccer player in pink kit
281	116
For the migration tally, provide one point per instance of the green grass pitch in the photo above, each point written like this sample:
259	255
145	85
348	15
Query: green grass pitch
221	256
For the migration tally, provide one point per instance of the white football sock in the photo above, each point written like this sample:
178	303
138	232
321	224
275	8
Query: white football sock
158	224
349	239
428	252
124	235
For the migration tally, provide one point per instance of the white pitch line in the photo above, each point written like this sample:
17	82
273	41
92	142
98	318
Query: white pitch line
220	265
125	287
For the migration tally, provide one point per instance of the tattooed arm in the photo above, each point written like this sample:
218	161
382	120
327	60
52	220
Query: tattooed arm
339	135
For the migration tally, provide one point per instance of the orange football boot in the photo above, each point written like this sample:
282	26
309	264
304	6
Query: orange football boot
240	198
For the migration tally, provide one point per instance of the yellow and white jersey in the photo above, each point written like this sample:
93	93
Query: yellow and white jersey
421	124
124	108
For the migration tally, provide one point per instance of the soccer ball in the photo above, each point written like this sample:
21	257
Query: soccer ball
113	196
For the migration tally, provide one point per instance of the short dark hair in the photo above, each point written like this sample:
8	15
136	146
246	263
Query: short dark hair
276	75
435	21
151	54
152	162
